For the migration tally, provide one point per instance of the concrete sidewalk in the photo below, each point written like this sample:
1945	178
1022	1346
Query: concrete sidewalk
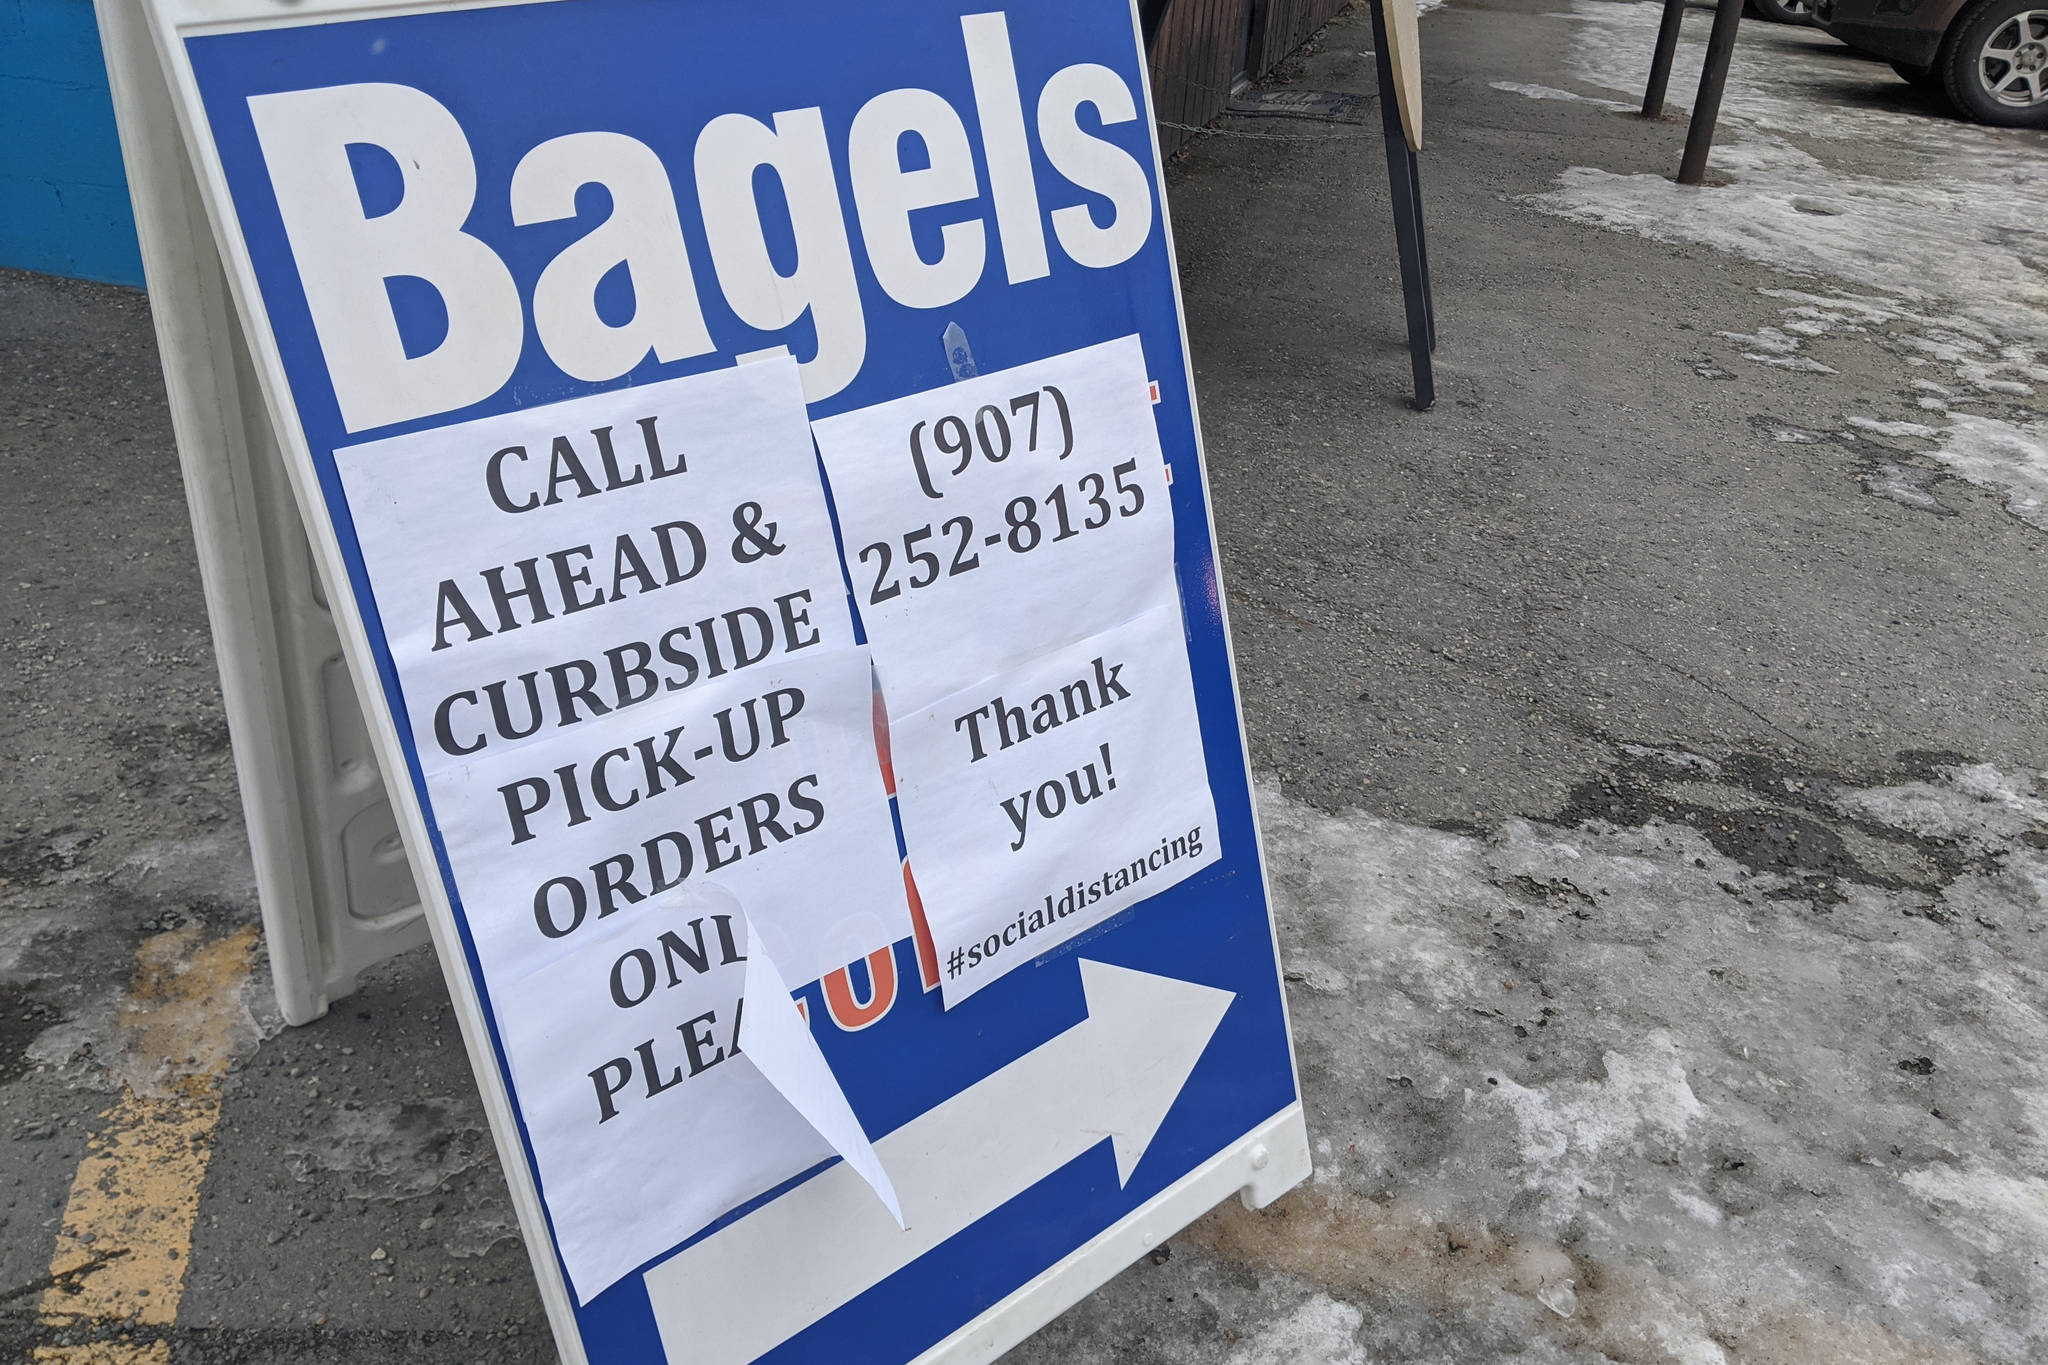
1652	743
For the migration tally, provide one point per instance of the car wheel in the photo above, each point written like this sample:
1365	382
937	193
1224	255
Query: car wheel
1994	63
1784	11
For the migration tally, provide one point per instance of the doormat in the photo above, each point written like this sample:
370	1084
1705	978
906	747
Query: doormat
1322	106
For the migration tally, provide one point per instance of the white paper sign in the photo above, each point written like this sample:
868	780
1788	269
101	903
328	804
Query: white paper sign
620	629
991	520
766	782
782	1047
1010	541
1053	796
543	567
690	1124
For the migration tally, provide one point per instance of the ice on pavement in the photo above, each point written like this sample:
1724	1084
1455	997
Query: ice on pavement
1319	1332
1958	213
404	1150
1569	1132
1806	1120
2007	457
1938	260
1551	92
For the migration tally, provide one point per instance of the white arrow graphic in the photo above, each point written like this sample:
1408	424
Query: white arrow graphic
754	1284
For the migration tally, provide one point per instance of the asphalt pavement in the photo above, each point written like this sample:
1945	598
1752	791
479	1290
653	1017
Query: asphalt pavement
1651	744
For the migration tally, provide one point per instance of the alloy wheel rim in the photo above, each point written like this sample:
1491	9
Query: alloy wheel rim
2013	63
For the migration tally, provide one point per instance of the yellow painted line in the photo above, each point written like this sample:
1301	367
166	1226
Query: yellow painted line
106	1353
126	1239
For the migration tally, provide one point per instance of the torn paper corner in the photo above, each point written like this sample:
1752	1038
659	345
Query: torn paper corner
775	1037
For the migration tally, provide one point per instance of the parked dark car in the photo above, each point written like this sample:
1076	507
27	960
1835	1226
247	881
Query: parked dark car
1782	11
1990	56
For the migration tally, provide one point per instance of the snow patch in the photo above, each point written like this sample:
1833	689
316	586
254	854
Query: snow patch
1791	362
1569	1131
399	1151
1958	212
2008	459
1698	1209
1551	92
1682	759
1980	805
1622	1041
1998	1212
1766	339
1908	486
1948	238
1321	1331
1892	429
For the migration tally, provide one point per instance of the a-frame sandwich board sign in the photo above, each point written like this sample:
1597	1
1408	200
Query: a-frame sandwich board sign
754	457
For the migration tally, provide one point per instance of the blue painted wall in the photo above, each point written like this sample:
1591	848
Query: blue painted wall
63	198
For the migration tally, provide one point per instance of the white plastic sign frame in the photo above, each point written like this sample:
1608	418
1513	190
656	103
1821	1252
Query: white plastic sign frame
336	891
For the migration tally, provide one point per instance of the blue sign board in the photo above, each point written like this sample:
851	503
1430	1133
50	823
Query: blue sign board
1037	230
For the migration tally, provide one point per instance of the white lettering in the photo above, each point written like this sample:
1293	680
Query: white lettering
643	234
885	194
1001	112
729	150
345	256
1094	164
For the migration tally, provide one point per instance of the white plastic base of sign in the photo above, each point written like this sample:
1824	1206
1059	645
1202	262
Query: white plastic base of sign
331	873
1260	1167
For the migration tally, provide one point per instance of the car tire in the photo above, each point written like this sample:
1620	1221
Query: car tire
1994	63
1783	11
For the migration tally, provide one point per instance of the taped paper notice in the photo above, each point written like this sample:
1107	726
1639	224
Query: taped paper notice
988	521
1053	796
621	635
550	565
726	1098
768	784
781	1046
1010	539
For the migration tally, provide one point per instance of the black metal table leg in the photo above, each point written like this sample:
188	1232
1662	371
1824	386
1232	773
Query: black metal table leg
1706	108
1422	245
1404	181
1660	60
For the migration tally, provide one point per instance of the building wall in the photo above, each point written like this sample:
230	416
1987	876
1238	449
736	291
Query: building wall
63	197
